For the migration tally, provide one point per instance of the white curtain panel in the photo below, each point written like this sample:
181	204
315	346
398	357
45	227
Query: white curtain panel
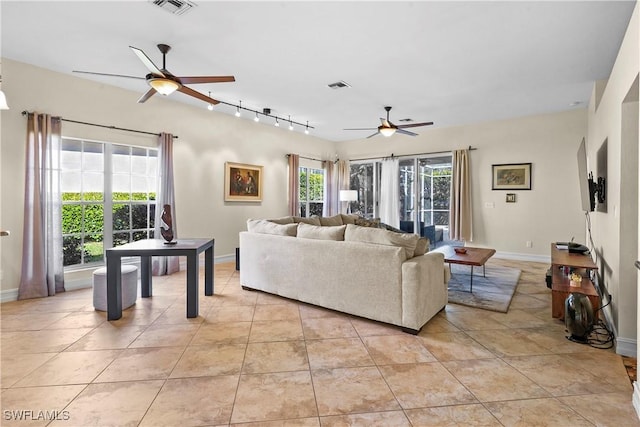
390	192
342	183
42	266
164	265
330	203
294	184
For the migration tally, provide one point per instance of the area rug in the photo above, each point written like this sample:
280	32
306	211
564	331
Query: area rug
493	292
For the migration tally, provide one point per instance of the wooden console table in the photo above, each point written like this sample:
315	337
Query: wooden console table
563	264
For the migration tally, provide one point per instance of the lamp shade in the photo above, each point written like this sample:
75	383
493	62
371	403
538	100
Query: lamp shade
164	86
348	195
3	101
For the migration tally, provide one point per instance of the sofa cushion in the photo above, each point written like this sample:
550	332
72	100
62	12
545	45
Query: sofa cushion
364	222
328	232
330	221
313	220
349	219
267	227
282	220
355	233
421	246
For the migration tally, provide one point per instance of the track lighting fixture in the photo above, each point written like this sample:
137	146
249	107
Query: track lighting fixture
267	113
306	129
210	106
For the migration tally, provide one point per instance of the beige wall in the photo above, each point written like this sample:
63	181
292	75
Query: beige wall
615	235
548	213
206	140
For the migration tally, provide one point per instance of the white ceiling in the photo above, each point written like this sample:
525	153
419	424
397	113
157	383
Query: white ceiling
453	63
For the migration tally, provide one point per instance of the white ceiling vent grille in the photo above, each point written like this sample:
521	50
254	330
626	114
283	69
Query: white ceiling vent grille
176	7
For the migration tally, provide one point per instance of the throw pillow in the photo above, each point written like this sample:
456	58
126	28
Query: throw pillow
263	226
306	231
282	220
331	220
364	222
408	241
421	246
314	220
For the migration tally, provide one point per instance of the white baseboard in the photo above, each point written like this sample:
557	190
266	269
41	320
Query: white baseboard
9	295
71	285
523	257
626	347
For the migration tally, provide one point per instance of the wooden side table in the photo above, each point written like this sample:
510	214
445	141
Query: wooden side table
563	264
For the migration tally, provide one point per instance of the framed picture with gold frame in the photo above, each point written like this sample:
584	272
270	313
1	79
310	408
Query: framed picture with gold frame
513	176
242	182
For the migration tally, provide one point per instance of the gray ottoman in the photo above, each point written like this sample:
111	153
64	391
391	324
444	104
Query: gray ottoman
129	287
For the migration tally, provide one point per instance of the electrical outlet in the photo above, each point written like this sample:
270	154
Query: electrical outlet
529	243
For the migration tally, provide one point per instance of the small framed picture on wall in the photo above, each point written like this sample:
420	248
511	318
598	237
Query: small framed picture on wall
512	176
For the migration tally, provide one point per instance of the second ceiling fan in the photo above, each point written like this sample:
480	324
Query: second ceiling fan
387	128
165	83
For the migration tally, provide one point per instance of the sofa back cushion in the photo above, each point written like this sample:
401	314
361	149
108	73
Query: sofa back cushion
330	221
313	220
329	232
422	246
355	233
267	227
282	220
349	219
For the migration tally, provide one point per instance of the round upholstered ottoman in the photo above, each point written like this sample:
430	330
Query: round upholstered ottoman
129	287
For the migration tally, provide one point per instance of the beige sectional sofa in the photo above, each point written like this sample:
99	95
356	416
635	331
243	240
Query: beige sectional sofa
364	271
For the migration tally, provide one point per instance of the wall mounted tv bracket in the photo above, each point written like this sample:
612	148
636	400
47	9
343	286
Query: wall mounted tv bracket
597	189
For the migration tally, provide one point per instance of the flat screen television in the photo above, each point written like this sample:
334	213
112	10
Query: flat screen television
587	187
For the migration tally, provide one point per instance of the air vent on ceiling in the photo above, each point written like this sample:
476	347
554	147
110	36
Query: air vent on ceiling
339	85
405	120
176	7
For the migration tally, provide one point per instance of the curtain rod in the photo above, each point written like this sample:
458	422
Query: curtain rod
24	113
306	158
406	155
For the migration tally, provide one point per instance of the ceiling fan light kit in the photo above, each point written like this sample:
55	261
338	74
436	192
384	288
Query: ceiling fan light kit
387	132
164	86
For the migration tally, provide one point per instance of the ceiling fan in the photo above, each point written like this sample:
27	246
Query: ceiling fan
387	128
165	83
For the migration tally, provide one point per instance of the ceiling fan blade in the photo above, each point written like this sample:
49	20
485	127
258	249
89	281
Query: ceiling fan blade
205	79
361	129
415	125
147	62
107	74
188	91
147	95
373	134
405	132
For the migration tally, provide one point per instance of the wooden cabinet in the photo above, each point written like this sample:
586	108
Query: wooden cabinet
563	264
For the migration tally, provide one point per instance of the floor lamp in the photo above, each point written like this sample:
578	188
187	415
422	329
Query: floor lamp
348	196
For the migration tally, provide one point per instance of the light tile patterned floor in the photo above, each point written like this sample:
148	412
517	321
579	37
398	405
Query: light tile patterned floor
254	358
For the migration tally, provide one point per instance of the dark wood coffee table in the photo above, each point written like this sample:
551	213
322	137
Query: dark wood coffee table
473	257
